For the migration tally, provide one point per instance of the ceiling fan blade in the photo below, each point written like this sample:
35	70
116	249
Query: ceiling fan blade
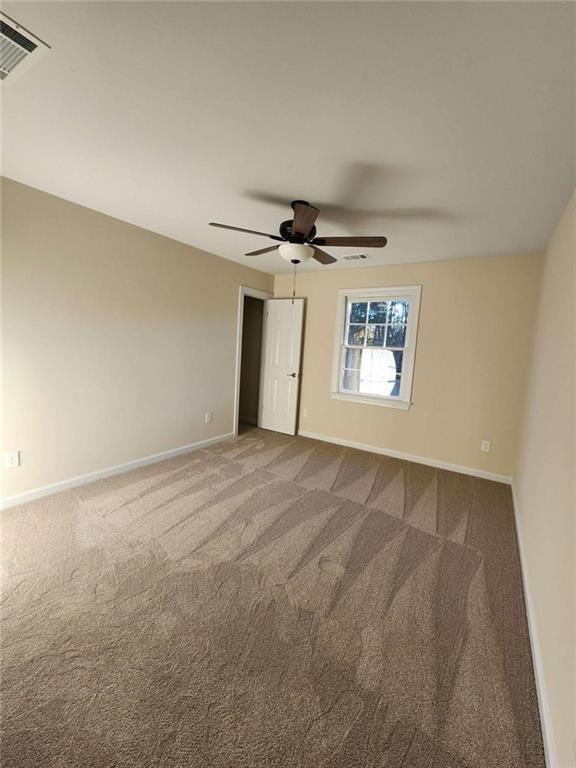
322	256
249	231
265	197
361	242
262	250
304	217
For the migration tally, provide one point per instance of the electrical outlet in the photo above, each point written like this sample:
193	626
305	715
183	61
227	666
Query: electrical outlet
208	417
485	446
11	459
305	413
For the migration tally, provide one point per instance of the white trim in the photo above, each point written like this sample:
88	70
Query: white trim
409	457
243	291
99	474
541	689
411	292
391	402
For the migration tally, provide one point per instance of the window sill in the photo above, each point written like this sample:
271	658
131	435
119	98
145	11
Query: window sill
387	402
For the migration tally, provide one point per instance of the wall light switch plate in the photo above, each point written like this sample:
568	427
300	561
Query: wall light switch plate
305	413
11	459
208	417
485	446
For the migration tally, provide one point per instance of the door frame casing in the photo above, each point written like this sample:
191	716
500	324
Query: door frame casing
254	293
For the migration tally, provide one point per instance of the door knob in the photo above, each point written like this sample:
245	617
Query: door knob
291	374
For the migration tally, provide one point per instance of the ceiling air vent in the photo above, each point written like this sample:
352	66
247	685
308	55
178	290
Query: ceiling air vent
17	46
356	257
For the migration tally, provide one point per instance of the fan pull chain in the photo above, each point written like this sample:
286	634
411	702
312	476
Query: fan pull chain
294	284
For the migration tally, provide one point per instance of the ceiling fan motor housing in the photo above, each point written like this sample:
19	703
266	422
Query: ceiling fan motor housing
288	234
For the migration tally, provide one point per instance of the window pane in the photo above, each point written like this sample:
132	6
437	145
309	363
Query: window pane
375	335
356	334
358	312
351	380
352	359
398	312
377	312
396	336
378	374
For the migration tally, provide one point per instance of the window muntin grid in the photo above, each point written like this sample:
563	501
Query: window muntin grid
374	343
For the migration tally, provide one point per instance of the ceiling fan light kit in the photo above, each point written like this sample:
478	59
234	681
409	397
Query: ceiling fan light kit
296	253
298	237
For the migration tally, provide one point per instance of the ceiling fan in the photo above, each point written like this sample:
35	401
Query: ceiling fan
298	241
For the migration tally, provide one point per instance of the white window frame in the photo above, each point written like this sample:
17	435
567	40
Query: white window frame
413	294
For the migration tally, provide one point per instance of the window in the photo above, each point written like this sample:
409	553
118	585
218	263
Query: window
375	345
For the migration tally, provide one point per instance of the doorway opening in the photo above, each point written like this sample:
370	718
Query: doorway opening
268	351
248	357
250	361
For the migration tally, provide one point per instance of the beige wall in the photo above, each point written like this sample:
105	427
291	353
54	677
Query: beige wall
473	342
251	357
545	487
116	340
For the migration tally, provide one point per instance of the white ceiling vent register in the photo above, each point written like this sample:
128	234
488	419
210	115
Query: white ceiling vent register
356	257
18	47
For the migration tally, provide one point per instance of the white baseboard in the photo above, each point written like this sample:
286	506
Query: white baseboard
410	457
99	474
541	690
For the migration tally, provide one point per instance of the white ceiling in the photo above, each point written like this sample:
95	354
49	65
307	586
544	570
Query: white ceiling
448	127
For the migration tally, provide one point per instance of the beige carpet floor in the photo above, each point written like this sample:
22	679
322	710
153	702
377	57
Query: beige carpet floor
268	602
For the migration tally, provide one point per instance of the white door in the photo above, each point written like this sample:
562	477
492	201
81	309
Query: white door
280	373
